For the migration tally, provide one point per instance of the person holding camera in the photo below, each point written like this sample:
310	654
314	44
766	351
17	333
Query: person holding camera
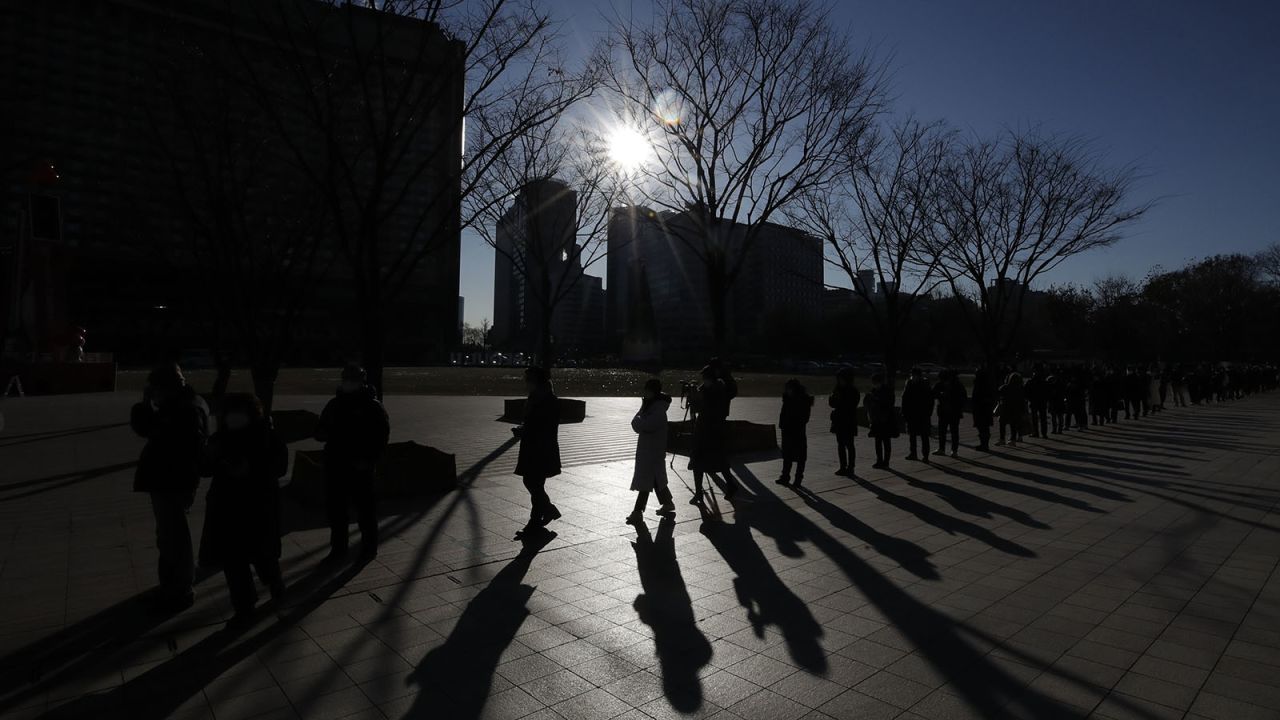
354	429
539	457
175	422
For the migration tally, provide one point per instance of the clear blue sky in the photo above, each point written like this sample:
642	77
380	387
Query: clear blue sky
1189	90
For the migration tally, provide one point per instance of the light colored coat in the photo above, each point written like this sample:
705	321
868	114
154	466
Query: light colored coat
651	445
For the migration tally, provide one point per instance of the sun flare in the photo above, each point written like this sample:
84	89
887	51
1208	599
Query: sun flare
629	148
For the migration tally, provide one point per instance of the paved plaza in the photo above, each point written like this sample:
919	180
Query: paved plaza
1123	572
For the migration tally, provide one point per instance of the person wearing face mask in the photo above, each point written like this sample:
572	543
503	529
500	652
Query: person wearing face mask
174	420
650	425
246	459
539	456
354	429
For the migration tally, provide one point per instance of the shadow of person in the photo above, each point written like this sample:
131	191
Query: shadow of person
160	691
968	503
910	556
767	599
455	678
666	607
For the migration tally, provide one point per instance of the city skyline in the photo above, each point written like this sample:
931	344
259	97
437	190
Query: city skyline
1178	89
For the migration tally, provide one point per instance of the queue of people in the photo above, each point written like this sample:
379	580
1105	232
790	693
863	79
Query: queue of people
245	458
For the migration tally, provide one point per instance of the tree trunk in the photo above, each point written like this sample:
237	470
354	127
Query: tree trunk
264	374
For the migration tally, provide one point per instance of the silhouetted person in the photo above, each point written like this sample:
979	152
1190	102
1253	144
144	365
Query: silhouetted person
175	422
797	405
844	418
982	404
539	445
1013	408
354	429
917	410
1079	398
1101	401
1135	392
950	395
242	518
1037	390
709	431
650	425
1057	388
883	419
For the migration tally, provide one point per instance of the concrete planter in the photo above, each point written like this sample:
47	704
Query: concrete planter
741	437
407	470
571	411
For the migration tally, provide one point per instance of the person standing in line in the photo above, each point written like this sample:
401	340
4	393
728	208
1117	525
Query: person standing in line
354	429
1056	384
844	418
882	415
175	422
950	395
246	460
1101	402
793	420
983	401
1178	381
1013	403
539	456
1165	378
917	410
1078	398
710	428
1037	390
650	426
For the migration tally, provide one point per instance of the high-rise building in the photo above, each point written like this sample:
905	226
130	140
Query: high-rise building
85	90
777	292
538	264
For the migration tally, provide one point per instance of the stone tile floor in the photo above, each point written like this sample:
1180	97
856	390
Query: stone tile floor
1125	572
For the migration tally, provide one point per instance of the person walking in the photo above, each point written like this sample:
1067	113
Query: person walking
882	414
539	456
175	422
354	429
951	396
844	418
1013	404
246	459
797	405
709	430
917	410
983	401
650	426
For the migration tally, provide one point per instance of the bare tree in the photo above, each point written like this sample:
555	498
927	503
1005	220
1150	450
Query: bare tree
880	218
380	91
1015	208
749	105
545	211
1269	262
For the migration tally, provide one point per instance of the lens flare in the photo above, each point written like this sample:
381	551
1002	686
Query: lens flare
629	148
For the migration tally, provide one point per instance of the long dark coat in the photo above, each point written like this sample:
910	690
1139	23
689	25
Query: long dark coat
844	410
983	400
917	405
950	395
354	428
242	519
792	421
176	434
881	413
539	436
709	429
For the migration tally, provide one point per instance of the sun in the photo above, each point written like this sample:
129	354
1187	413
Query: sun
628	148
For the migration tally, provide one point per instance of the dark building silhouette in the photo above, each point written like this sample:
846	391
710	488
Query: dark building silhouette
537	234
779	290
85	91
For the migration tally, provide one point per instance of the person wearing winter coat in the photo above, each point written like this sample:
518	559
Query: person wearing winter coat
844	418
175	422
710	429
246	459
983	402
1013	408
1037	392
917	410
539	435
1101	401
883	416
797	406
354	429
950	395
1057	384
650	475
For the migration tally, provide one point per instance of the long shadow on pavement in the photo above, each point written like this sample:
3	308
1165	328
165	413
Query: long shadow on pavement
666	607
455	679
1018	488
61	480
909	555
11	440
970	504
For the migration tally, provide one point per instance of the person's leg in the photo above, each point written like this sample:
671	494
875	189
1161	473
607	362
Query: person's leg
538	499
663	493
697	487
786	472
366	514
335	499
888	451
176	564
799	472
240	586
269	573
911	443
984	437
955	437
924	445
642	499
842	452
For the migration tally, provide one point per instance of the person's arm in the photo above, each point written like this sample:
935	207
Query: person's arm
142	418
